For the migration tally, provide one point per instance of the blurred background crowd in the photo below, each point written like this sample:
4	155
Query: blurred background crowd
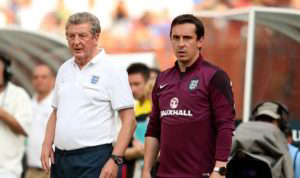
127	25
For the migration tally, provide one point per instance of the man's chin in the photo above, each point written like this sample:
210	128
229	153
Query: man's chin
78	56
183	59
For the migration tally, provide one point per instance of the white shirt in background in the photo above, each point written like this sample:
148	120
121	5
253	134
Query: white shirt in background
41	113
17	102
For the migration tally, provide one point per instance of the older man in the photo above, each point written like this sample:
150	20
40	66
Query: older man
43	82
88	90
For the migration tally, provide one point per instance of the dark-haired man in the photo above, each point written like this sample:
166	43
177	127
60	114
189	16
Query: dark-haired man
192	117
138	76
15	120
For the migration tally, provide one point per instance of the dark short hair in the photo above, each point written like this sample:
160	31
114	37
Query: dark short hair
6	61
139	68
189	18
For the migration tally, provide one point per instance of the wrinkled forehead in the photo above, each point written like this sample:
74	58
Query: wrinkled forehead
78	28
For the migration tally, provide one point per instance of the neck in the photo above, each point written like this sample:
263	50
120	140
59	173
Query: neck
42	95
142	100
184	65
83	61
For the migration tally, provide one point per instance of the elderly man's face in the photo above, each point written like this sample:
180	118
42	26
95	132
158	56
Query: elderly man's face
81	41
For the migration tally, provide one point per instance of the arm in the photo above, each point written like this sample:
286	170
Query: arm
19	117
218	164
151	153
221	98
47	151
128	126
126	132
136	151
152	144
11	122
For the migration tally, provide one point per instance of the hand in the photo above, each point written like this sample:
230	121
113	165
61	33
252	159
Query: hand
2	113
139	147
47	153
216	175
110	170
146	174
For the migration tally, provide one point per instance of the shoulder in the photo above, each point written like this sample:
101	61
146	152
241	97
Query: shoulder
65	67
213	72
293	149
66	64
211	68
17	91
166	74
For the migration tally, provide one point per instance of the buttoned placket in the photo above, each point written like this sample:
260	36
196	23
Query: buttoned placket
80	74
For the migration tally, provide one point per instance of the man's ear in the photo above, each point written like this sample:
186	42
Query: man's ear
200	43
96	38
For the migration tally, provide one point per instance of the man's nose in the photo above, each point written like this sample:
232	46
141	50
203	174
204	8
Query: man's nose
76	39
181	42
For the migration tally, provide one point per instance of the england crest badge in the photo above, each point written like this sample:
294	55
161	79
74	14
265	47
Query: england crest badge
193	84
94	79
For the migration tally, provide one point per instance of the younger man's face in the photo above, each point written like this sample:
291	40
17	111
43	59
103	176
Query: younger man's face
137	83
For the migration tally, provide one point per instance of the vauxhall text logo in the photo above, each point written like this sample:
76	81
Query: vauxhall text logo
174	103
175	112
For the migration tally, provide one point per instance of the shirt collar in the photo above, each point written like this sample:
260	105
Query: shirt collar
48	97
193	66
101	54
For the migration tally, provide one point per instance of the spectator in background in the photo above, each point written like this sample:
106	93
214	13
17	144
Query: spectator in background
264	140
274	3
143	36
241	3
295	4
154	73
43	83
15	120
192	116
138	75
83	131
119	32
294	153
214	5
52	23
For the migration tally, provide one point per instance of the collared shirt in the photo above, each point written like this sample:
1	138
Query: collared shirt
295	157
15	101
41	113
193	118
86	101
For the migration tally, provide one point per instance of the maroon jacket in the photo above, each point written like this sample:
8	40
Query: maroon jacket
193	119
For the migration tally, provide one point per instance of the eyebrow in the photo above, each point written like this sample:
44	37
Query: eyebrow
184	36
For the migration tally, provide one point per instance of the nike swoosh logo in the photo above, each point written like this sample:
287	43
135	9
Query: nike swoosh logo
162	86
